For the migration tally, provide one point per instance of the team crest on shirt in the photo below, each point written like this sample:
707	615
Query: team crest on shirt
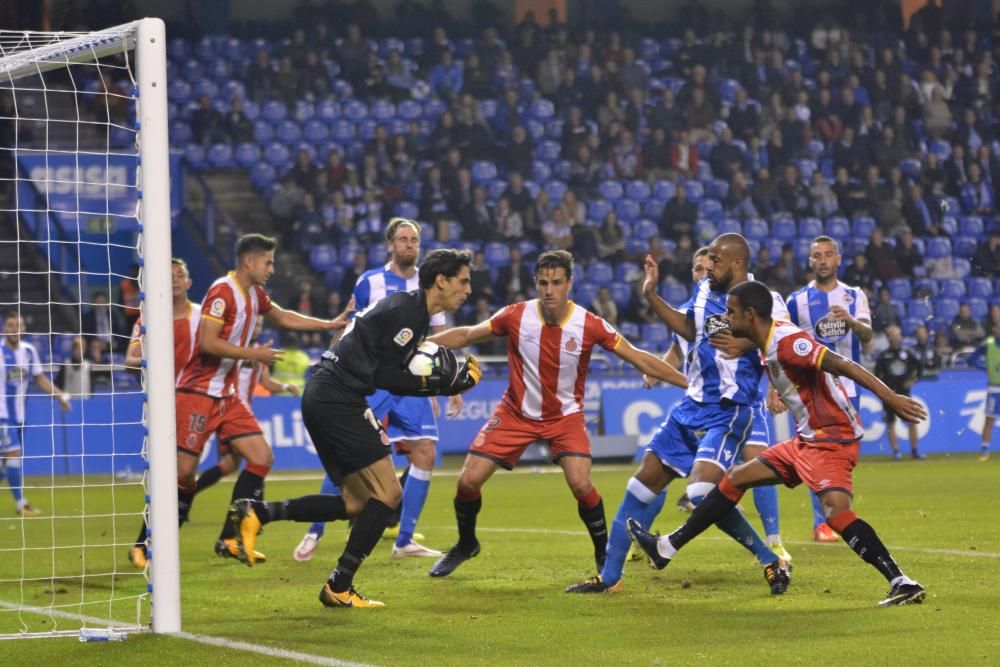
714	324
491	424
218	308
830	329
403	337
571	345
802	347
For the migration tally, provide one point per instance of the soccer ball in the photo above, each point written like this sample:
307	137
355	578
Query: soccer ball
424	360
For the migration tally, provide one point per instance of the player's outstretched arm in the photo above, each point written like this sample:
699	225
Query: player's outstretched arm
289	319
650	364
459	337
274	386
49	388
673	318
673	357
210	341
906	407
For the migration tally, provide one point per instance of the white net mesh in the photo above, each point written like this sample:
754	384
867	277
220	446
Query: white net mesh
69	290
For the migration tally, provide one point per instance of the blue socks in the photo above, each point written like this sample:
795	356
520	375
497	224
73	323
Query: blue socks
818	515
14	479
735	525
635	505
418	483
765	499
328	488
653	510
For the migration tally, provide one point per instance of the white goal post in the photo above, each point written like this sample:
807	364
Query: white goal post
134	53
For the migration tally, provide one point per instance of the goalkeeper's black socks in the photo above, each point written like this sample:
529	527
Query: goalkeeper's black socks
367	531
591	510
248	485
319	507
209	477
185	498
866	543
466	512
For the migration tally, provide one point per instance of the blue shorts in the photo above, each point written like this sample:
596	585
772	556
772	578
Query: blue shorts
410	417
993	402
701	432
760	430
10	437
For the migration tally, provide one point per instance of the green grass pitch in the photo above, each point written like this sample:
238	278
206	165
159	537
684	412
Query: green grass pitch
710	606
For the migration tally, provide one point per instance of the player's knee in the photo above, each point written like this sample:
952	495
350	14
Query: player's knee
263	457
580	487
423	455
696	491
468	487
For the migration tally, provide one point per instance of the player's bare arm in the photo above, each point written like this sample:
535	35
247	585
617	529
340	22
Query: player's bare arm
673	318
650	364
774	403
673	357
862	328
210	341
459	337
46	385
729	345
274	386
904	406
289	319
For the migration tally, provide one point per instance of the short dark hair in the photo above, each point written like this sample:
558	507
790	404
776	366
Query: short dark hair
444	262
254	244
554	259
756	295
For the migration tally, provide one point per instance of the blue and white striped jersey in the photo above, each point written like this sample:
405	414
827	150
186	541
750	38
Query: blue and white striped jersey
809	309
376	284
711	377
17	367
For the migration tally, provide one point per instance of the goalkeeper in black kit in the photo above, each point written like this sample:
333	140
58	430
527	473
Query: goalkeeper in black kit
374	352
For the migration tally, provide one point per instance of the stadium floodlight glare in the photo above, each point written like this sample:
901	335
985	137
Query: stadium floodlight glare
84	198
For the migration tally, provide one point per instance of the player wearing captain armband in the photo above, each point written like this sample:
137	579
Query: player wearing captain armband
376	351
806	377
550	340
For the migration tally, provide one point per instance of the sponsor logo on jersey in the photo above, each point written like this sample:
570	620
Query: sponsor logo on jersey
491	424
403	337
714	324
802	347
218	308
830	329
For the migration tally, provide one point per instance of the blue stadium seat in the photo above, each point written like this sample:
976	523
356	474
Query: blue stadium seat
674	293
542	109
710	209
611	190
911	168
497	254
704	231
978	308
940	148
717	189
621	294
262	175
980	288
810	227
555	189
783	229
263	132
945	309
234	89
334	277
652	208
656	333
584	293
664	190
925	287
806	169
488	108
600	274
221	156
952	289
483	171
730	226
630	330
354	110
919	309
316	131
378	255
635	246
304	110
406	209
180	133
899	289
756	228
965	246
949	225
938	247
348	251
328	111
540	171
194	155
536	129
273	111
323	257
961	267
383	110
598	209
638	190
277	154
694	190
801	248
495	188
553	129
627	210
548	150
863	226
909	325
627	272
838	228
645	229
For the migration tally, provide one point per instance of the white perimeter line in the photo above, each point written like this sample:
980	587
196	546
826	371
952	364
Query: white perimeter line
799	543
201	639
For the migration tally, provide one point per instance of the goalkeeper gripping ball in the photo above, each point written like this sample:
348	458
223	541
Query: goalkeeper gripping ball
430	358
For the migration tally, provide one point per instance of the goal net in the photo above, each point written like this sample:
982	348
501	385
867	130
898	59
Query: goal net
84	249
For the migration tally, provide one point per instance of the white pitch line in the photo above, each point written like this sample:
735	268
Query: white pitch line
799	543
231	644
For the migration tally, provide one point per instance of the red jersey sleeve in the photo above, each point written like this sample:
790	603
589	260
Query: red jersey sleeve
219	304
800	351
505	319
602	333
263	299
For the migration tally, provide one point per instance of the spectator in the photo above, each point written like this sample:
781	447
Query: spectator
726	157
509	225
74	372
549	73
679	215
584	170
100	320
556	230
443	137
822	200
481	278
743	117
446	77
477	217
625	157
100	365
584	246
684	157
513	278
610	112
966	331
611	239
667	115
207	124
699	116
352	274
307	228
261	79
237	126
781	280
848	154
130	297
291	366
739	198
314	81
656	155
917	214
884	313
605	307
930	359
573	208
521	200
881	257
765	194
477	79
398	77
977	193
858	273
519	152
761	268
986	261
794	194
908	256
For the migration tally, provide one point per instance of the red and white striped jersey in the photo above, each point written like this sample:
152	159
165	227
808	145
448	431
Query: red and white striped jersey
818	403
237	311
185	337
548	362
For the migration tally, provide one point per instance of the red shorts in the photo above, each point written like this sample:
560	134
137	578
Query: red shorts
199	416
822	468
507	434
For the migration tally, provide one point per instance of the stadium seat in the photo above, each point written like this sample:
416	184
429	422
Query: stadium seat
925	287
838	228
960	267
674	293
348	251
621	294
611	190
919	309
555	189
664	190
652	208
729	226
949	225
342	131
627	210
548	151
694	190
806	169
952	289
334	277
938	247
899	289
801	248
540	171
598	209
627	272
710	209
909	325
277	154
383	110
497	255
638	190
810	227
704	231
965	246
483	171
194	155
378	254
978	308
220	156
406	209
945	309
553	129
630	330
354	110
273	111
863	226
655	332
584	293
600	274
783	229
542	110
180	133
717	189
980	288
316	131
756	228
323	257
911	168
262	175
536	129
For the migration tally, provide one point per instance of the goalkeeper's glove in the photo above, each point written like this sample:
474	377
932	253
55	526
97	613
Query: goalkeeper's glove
467	377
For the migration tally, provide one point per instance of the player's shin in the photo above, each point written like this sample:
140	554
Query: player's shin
367	531
15	481
250	484
467	508
590	506
712	507
209	478
765	499
185	497
637	498
866	543
415	490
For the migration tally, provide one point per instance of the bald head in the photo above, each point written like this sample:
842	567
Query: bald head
729	259
733	245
